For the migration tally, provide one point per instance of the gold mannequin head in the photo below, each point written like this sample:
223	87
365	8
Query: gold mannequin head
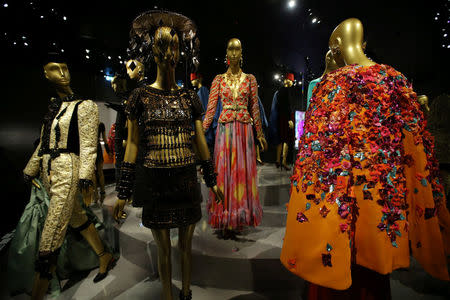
57	73
423	101
166	48
288	79
234	52
347	45
287	82
119	85
135	69
196	80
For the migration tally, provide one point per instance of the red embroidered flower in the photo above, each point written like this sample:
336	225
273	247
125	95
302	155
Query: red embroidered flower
292	262
344	227
324	211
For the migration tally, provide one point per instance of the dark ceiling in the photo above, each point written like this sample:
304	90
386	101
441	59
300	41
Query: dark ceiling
403	34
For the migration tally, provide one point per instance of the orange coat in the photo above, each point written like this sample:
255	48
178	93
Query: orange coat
374	209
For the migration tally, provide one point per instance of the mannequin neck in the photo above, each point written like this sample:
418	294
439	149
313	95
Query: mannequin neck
234	69
63	91
354	54
165	79
327	70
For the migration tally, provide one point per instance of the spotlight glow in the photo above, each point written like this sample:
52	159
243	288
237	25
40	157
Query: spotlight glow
87	56
291	3
314	20
109	57
87	50
5	5
276	76
65	18
109	78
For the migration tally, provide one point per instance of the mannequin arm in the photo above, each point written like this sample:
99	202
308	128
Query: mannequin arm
88	131
130	156
131	150
204	154
254	106
212	103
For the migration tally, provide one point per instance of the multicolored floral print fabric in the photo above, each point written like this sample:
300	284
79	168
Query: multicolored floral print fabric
355	121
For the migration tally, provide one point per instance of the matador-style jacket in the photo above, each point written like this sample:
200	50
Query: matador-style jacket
73	130
240	105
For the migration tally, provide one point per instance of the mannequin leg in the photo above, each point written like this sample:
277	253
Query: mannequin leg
80	223
185	246
90	234
101	181
162	239
285	153
279	149
45	268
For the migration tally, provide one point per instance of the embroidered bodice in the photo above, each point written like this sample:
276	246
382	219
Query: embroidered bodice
239	97
165	121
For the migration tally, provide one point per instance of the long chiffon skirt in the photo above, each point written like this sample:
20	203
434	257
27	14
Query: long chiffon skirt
235	164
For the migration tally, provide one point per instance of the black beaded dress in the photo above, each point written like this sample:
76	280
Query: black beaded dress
166	183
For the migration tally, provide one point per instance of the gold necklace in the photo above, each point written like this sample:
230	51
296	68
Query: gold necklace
233	81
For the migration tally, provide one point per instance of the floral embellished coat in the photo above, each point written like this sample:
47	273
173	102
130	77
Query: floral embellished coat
366	182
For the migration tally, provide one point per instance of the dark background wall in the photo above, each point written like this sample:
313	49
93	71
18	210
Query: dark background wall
403	34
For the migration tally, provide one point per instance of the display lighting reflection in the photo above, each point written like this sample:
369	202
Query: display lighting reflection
109	78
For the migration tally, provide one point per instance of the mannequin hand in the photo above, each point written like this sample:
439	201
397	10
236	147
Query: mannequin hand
263	143
218	193
118	209
88	195
291	124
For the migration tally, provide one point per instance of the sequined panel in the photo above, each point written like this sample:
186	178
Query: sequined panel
165	121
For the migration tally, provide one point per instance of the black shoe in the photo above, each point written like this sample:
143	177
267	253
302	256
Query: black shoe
101	276
186	297
277	165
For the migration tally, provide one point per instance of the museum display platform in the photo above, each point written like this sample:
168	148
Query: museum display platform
247	268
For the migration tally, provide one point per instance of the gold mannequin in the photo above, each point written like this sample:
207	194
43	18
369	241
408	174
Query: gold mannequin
165	80
119	85
58	75
283	148
330	63
234	58
346	44
135	70
423	100
197	82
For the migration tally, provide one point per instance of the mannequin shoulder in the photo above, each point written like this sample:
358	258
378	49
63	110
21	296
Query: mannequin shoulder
87	106
219	77
250	77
